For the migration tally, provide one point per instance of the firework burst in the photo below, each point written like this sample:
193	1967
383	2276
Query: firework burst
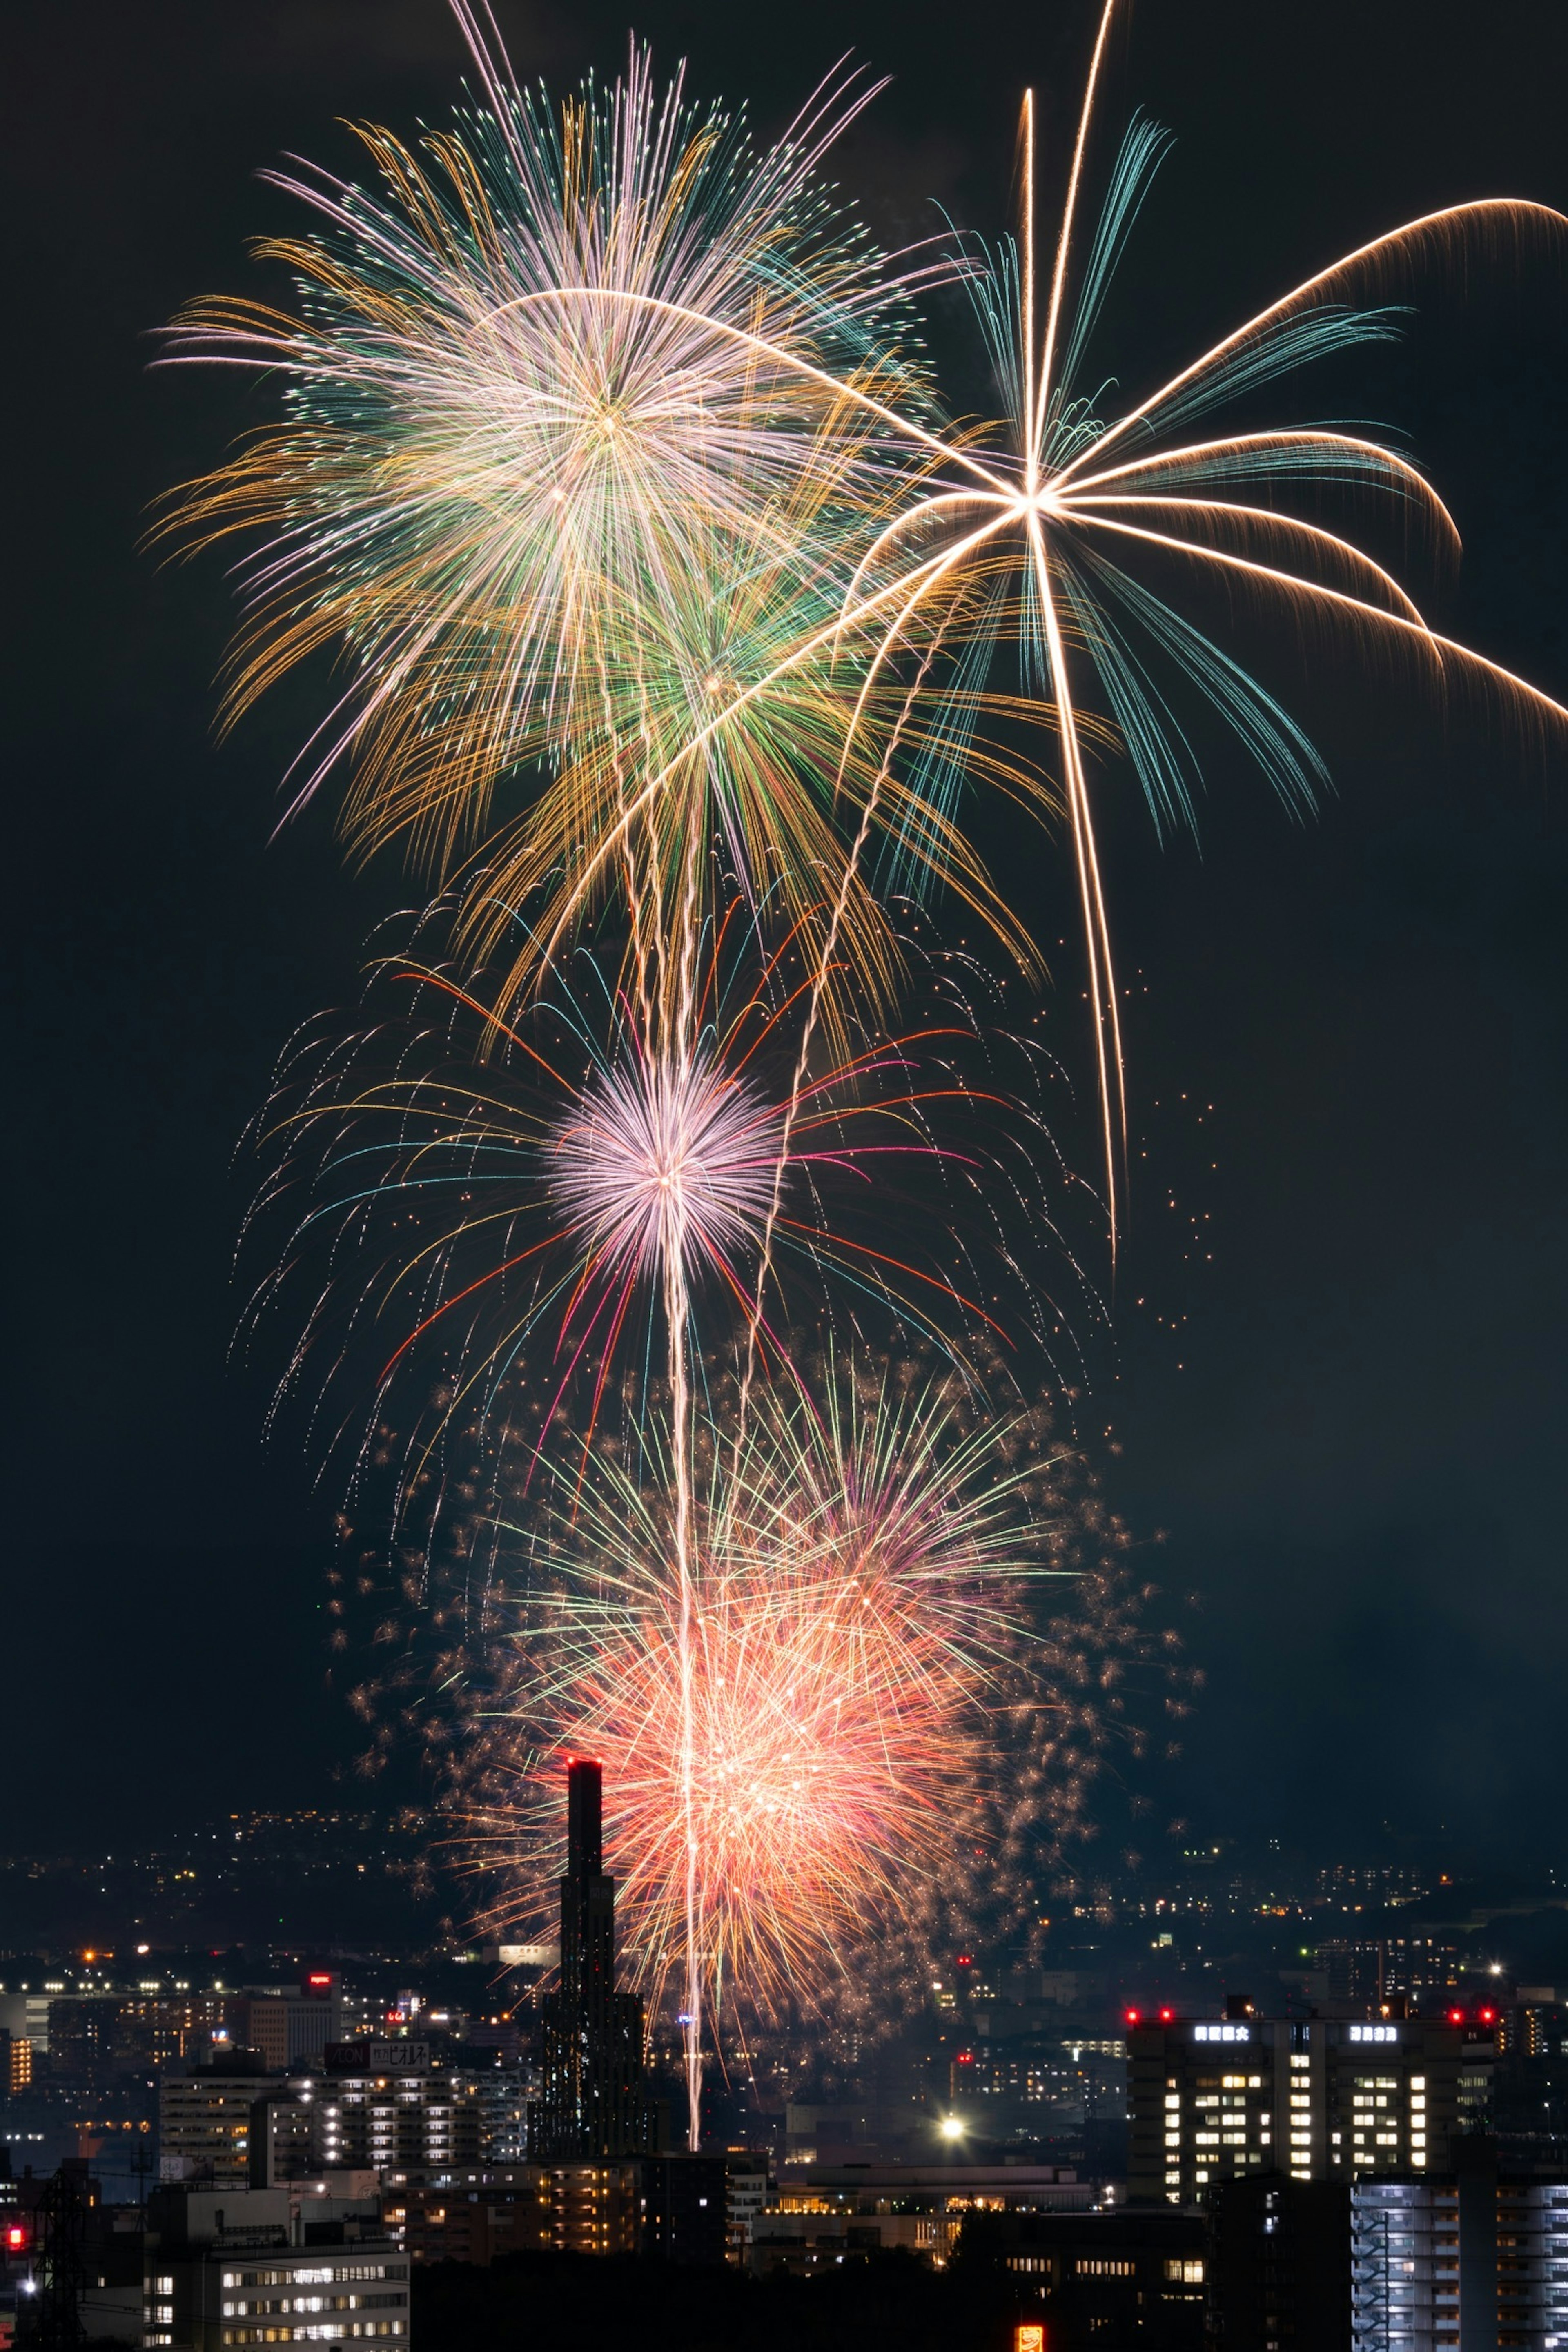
891	1726
458	1221
661	1163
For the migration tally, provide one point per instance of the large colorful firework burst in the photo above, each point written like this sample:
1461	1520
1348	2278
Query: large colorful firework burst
920	1644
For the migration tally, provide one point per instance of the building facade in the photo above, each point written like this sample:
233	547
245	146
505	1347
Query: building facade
1137	2279
229	2269
1279	2264
506	2210
407	2124
1314	2098
205	2121
1469	2264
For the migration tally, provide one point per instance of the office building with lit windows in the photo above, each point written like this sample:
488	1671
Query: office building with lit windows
224	2270
406	2124
1317	2099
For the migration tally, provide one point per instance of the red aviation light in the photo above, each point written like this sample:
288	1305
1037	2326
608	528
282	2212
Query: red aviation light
1167	2017
1455	2017
1134	2017
1488	2016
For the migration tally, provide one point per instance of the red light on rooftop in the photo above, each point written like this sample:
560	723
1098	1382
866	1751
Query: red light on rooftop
964	2058
1488	2016
963	1961
1166	2016
1134	2017
1455	2017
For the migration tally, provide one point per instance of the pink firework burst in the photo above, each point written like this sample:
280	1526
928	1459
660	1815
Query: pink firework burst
666	1160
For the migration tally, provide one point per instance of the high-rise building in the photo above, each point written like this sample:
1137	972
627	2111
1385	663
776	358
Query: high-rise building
15	2062
95	2037
595	2209
1315	2098
502	2095
590	2108
504	2210
1467	2264
686	2208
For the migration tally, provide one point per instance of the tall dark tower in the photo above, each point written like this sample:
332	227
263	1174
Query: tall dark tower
592	2105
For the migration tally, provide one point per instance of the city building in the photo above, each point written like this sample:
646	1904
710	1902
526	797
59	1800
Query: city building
288	2028
230	2268
477	2216
1537	2024
26	2016
1279	2264
1131	2278
745	2199
811	2222
205	2119
1317	2098
686	2208
15	2062
591	2106
595	2208
1457	2264
408	2123
502	2095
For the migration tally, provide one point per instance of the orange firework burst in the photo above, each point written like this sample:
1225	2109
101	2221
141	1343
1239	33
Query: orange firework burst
868	1718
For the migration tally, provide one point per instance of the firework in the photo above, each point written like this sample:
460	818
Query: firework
574	471
456	1224
1060	499
884	1712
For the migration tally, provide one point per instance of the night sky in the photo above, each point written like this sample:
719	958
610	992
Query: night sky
1343	1408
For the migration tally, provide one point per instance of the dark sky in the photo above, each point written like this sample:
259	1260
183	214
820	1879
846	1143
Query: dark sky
1352	1442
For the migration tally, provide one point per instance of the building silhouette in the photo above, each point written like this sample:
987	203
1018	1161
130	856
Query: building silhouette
592	2106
